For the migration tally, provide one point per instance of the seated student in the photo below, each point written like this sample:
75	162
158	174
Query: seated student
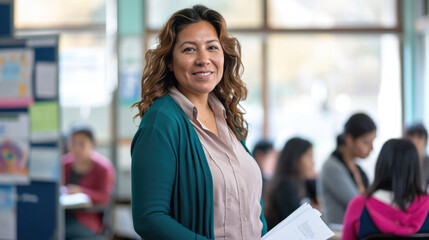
266	157
293	182
395	203
86	171
341	178
418	134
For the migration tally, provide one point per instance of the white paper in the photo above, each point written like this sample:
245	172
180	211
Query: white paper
303	224
44	163
75	200
46	80
7	213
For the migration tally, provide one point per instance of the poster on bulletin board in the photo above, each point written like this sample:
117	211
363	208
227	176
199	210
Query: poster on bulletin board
14	148
16	71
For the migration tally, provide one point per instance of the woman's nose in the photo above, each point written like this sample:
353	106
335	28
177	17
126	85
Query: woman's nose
203	58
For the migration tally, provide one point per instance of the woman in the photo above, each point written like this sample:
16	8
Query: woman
192	175
396	202
86	171
293	181
341	178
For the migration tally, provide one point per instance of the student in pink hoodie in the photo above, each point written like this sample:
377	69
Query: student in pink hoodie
396	202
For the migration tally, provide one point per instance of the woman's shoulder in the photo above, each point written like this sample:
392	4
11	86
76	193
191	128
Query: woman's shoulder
358	201
333	164
163	112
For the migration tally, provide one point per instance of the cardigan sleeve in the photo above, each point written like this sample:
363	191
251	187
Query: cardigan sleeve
264	222
153	175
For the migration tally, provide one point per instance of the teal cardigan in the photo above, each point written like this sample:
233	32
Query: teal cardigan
172	188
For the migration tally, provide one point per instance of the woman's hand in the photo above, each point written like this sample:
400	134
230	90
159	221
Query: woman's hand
72	188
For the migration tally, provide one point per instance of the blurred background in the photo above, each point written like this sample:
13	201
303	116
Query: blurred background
309	64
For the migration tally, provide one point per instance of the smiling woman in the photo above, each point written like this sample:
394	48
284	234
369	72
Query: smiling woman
197	61
192	175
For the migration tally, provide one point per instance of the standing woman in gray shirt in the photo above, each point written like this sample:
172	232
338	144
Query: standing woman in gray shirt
341	178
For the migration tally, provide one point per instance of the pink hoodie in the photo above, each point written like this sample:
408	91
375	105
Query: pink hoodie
388	219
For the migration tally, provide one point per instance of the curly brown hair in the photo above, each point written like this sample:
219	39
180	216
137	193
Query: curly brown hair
157	79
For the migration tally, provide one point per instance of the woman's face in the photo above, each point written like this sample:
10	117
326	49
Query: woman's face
81	146
362	146
306	165
197	59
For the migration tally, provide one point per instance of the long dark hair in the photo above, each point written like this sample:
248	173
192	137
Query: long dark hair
287	168
288	162
398	170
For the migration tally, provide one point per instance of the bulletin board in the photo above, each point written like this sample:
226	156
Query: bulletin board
30	141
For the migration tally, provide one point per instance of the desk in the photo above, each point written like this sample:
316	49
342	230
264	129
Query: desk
337	235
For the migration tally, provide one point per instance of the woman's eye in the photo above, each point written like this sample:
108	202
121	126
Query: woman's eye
189	49
213	48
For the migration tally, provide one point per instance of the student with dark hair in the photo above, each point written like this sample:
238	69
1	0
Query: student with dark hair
395	203
418	134
341	178
293	181
86	171
266	157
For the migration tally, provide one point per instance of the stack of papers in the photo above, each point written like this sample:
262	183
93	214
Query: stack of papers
75	200
304	224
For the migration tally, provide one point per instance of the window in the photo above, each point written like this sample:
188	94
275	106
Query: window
332	13
310	64
59	13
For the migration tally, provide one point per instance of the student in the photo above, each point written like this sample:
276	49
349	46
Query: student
418	134
341	178
395	203
86	171
266	157
192	175
293	181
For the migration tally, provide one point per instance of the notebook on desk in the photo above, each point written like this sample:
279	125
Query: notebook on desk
75	200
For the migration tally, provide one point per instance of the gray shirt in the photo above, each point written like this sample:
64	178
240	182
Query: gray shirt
336	188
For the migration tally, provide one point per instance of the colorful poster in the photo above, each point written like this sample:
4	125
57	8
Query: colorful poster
16	71
14	147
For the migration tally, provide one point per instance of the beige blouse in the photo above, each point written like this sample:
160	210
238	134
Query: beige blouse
237	180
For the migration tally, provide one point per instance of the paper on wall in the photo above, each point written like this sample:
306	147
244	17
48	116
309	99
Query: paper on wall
44	163
46	80
7	213
44	121
16	71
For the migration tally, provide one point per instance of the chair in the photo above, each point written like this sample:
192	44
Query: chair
417	236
